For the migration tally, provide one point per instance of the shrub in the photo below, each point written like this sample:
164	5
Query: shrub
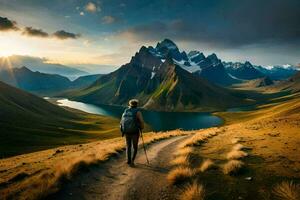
236	154
287	191
193	191
179	175
207	164
233	167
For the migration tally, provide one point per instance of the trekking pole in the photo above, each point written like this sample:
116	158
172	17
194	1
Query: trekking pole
144	147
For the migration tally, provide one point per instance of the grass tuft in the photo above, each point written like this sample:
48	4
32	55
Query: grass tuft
206	165
193	191
198	139
233	167
236	154
287	191
238	147
179	175
181	160
184	151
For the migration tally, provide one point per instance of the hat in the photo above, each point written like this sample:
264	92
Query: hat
133	103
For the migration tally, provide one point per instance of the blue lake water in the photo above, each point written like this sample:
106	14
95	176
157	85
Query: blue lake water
159	121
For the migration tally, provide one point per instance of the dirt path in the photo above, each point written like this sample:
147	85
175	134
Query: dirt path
115	180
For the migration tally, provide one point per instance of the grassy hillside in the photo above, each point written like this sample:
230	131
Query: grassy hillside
29	123
255	156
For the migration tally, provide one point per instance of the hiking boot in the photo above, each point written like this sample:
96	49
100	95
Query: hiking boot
128	163
132	164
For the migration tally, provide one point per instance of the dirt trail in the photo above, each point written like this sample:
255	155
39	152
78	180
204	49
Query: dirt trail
115	180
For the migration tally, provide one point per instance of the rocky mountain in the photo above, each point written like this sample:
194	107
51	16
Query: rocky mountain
42	83
159	79
278	72
210	67
244	71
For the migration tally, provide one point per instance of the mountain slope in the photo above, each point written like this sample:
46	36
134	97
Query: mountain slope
158	84
292	84
29	123
35	82
42	83
84	81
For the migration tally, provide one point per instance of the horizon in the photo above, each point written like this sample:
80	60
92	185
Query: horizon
95	33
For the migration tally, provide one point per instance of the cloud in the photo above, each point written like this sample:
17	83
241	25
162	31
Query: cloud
108	19
63	35
224	25
81	13
91	7
29	31
7	24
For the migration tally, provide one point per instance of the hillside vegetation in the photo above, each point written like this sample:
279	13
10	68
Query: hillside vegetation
254	156
29	123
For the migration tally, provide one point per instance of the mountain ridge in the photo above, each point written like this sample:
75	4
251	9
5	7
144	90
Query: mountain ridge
159	83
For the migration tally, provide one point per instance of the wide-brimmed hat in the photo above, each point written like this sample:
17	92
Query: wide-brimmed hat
133	103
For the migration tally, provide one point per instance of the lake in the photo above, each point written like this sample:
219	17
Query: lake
159	121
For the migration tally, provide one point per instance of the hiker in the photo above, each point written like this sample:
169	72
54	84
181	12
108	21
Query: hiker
131	125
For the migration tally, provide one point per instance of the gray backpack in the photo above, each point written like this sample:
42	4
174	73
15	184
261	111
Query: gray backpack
129	123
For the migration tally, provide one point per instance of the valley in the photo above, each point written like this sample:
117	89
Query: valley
149	100
207	121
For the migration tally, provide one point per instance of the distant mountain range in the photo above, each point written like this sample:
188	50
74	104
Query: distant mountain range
163	77
41	65
159	78
278	72
42	83
243	71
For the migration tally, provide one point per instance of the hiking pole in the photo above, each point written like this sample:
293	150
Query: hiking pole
144	147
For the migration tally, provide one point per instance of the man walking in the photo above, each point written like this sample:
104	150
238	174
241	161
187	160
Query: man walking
131	124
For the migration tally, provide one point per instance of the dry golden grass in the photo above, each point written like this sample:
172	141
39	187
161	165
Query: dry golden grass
235	140
184	151
46	170
181	160
193	192
287	191
199	138
233	167
179	175
206	165
238	147
236	154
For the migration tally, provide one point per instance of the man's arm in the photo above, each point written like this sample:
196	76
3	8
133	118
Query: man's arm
140	119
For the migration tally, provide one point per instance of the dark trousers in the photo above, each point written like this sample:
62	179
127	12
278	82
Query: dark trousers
132	140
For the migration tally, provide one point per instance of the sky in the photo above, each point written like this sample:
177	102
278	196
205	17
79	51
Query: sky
108	32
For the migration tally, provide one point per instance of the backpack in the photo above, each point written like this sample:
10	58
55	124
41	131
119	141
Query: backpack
129	123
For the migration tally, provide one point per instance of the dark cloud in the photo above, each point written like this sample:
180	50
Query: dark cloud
29	31
7	25
63	35
227	25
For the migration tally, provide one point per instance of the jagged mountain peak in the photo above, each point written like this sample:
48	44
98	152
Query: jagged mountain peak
248	64
166	43
214	59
